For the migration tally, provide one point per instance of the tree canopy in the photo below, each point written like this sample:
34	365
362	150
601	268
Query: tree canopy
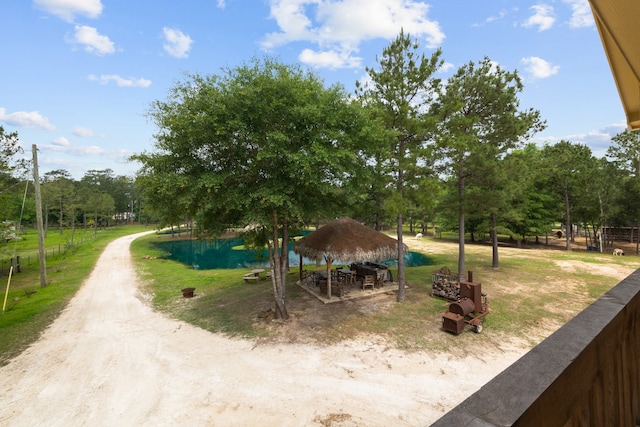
264	144
479	123
400	92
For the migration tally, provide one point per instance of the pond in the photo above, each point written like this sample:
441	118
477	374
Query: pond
230	253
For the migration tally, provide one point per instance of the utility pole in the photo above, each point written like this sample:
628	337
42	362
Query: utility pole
41	251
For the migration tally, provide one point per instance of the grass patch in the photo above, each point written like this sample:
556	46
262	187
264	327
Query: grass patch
222	302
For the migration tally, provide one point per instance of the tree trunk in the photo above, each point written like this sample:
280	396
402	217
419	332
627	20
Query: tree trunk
318	261
461	227
401	288
494	241
284	252
378	226
277	272
568	212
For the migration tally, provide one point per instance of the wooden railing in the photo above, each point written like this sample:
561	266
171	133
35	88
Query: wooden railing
587	373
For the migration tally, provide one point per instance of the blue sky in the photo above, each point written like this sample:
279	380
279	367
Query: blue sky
78	76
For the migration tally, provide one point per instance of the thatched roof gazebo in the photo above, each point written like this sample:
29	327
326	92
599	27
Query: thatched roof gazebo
348	240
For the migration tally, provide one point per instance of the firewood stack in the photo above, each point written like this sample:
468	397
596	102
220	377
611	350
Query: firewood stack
445	285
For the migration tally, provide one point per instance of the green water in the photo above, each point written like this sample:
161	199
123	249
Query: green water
211	254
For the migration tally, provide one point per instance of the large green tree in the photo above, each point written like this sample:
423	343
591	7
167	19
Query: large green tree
400	90
58	193
479	123
568	167
9	147
264	144
625	153
532	207
121	189
96	197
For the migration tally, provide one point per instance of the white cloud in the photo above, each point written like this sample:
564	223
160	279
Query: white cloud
338	27
90	150
26	119
62	145
598	140
542	18
60	142
446	66
119	81
539	68
177	43
581	16
61	153
83	132
221	4
329	59
493	67
493	18
498	17
92	41
67	10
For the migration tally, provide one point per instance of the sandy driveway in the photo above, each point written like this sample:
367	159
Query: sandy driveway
109	360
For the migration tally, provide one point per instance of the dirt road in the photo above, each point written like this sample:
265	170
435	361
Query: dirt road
110	360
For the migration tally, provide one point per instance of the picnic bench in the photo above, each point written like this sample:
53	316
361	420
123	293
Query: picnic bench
253	275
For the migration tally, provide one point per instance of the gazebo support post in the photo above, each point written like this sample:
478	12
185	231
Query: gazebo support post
328	277
300	269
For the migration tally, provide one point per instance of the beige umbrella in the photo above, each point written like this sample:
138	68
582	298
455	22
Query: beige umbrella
346	239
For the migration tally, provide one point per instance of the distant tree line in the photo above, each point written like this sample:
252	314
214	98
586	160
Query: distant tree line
98	199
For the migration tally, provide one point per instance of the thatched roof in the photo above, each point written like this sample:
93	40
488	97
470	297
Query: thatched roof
346	239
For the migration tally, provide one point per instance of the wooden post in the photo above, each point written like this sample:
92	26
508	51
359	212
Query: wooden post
300	269
36	184
6	293
328	277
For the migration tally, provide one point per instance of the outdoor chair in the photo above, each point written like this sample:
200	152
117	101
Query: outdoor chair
381	275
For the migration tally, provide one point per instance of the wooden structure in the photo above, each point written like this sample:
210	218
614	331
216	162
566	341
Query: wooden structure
346	239
617	25
254	275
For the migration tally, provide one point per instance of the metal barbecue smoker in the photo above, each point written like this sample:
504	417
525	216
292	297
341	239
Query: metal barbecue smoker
469	305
